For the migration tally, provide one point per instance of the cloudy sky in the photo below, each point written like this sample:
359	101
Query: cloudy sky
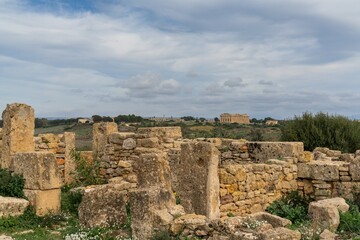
272	58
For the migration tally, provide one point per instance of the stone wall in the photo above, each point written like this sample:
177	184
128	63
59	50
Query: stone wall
61	145
250	188
325	178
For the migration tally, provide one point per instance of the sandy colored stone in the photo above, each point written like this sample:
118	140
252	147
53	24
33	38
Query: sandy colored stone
101	132
280	233
18	132
152	142
198	181
103	206
10	206
262	151
327	235
274	220
188	221
354	169
70	165
320	170
44	201
325	213
162	132
39	169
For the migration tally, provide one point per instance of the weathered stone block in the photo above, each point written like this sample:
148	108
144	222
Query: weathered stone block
70	165
280	233
325	213
354	169
103	205
101	132
148	142
44	201
10	206
18	132
262	151
40	170
320	170
197	175
162	132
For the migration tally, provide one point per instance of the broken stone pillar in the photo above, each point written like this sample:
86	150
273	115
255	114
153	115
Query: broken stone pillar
70	166
18	132
42	180
153	202
197	174
101	131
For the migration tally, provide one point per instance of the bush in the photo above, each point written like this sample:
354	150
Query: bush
291	206
350	221
11	185
86	174
70	201
323	130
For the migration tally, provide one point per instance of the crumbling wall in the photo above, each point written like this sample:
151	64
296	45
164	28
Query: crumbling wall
61	145
18	132
250	188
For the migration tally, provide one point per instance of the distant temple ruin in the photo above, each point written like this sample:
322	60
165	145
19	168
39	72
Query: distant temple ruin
234	118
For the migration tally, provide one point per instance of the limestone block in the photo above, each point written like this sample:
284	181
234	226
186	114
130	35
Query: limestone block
148	142
262	151
320	170
162	132
148	211
18	132
327	235
354	169
101	132
70	165
197	174
10	206
274	220
119	137
103	205
44	201
39	169
280	233
129	143
325	213
188	221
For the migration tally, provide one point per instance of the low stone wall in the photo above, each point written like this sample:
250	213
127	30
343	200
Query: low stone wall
235	151
61	145
325	178
250	188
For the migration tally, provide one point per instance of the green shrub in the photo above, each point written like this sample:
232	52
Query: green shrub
86	174
291	206
70	201
11	185
323	130
350	221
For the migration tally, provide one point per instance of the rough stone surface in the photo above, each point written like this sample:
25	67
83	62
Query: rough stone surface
44	201
327	235
325	213
101	132
40	170
149	211
262	151
18	132
280	233
198	179
10	206
274	220
4	237
355	169
103	205
189	221
70	166
162	132
320	170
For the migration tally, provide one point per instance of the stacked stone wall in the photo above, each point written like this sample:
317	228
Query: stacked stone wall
250	188
61	145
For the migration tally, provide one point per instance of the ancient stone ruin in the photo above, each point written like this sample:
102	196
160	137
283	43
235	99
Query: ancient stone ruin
202	187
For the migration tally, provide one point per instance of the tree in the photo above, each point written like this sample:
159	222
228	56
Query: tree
216	119
188	118
97	118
